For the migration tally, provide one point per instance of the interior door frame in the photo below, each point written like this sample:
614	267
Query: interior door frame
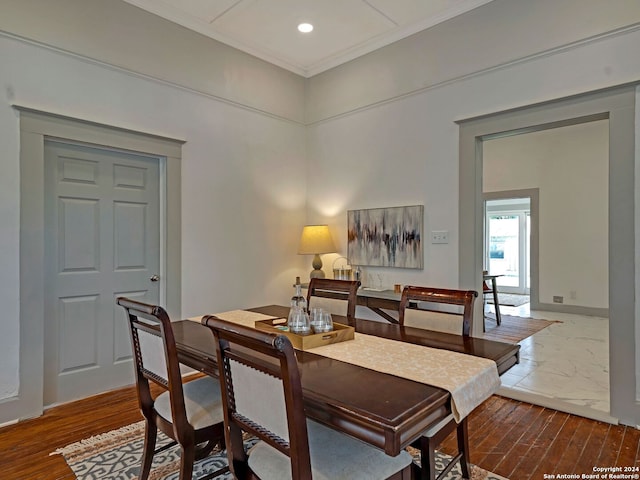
533	194
618	105
35	126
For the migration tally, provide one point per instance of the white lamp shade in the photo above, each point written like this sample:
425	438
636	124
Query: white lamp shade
316	239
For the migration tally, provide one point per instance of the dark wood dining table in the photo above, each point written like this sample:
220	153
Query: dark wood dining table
383	410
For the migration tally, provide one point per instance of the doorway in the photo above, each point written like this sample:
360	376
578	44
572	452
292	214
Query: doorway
507	243
618	106
568	165
35	127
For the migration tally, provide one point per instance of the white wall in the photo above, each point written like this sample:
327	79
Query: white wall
637	230
9	241
120	34
569	166
405	151
243	174
496	34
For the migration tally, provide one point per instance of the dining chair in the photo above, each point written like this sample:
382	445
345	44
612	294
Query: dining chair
488	290
429	440
336	289
262	396
190	413
443	296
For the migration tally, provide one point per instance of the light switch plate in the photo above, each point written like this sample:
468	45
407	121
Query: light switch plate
439	236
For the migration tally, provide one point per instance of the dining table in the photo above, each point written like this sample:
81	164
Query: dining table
385	410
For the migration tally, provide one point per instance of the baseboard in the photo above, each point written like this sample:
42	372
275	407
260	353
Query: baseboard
557	404
573	309
17	408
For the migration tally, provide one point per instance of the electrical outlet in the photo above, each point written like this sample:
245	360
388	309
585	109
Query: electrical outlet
439	236
573	295
558	299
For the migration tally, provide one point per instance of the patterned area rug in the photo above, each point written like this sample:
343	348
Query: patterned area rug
116	455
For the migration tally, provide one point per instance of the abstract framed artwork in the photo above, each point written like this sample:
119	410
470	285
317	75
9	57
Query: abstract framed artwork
386	237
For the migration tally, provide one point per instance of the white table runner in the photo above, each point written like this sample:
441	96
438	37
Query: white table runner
469	379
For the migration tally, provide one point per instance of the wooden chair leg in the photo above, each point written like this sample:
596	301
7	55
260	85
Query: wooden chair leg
150	435
187	457
431	471
217	440
484	314
203	450
463	447
427	459
428	444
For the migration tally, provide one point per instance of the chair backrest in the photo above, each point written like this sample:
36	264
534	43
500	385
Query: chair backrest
463	298
337	289
261	394
155	358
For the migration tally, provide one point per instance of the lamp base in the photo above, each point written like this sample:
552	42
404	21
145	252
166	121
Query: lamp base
316	274
317	267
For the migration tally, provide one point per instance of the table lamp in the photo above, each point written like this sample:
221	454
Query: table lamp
316	240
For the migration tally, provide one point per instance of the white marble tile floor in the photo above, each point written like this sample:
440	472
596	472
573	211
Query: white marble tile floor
564	367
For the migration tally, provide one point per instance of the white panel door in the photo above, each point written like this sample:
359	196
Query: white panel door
102	241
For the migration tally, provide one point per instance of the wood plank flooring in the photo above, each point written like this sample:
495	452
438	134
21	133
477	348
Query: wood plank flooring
514	439
25	446
521	441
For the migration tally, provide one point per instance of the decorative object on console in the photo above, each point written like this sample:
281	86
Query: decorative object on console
316	240
386	237
342	271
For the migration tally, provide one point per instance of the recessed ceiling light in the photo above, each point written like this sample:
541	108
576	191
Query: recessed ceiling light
305	27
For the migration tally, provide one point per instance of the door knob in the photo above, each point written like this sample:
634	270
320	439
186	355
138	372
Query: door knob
154	278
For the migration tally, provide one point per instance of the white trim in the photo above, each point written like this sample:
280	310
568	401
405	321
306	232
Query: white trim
619	105
144	76
502	66
35	126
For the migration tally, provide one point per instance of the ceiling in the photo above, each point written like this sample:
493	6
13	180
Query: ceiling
343	29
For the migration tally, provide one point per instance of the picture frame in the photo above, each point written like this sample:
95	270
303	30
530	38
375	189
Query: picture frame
386	237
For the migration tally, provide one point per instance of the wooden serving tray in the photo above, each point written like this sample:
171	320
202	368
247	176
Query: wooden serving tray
340	333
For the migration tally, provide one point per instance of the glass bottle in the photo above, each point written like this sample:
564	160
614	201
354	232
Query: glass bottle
298	321
298	300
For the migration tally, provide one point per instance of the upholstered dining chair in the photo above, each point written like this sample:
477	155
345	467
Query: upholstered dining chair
443	296
262	395
430	439
336	289
190	413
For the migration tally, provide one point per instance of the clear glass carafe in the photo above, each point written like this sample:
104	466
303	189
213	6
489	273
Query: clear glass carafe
298	300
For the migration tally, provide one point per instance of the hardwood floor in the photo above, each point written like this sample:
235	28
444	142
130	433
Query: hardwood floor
521	441
25	446
513	439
